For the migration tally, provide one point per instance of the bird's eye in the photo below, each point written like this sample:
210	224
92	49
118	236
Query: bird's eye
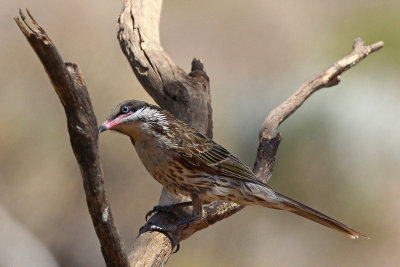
125	109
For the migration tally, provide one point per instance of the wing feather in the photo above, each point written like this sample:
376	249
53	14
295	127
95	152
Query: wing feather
203	153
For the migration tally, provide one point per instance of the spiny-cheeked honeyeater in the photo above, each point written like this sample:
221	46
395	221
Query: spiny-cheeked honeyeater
188	163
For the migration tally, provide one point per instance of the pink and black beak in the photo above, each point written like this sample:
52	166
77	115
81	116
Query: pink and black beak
104	126
111	123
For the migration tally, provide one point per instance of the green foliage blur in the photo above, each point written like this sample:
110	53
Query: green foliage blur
340	151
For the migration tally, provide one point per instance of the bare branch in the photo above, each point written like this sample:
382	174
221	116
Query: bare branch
269	143
327	78
187	96
82	126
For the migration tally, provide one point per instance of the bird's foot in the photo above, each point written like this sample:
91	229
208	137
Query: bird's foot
175	226
173	208
168	229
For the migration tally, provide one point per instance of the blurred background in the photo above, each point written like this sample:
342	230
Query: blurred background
339	154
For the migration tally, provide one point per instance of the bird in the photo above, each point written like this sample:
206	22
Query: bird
188	163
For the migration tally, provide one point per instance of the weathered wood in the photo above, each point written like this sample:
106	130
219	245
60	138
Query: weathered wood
187	96
82	126
326	78
331	76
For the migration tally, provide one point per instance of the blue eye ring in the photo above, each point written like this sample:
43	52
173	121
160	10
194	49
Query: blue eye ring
125	109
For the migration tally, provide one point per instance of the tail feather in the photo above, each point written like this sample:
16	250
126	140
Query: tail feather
316	216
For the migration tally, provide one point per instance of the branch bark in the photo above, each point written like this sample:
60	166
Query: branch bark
82	126
331	76
177	92
326	78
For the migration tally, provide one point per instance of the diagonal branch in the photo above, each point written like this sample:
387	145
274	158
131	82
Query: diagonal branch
331	76
327	78
82	126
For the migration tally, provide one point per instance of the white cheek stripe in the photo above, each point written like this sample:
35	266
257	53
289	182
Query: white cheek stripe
153	115
150	115
133	116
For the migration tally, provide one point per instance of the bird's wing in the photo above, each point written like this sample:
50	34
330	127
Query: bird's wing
202	153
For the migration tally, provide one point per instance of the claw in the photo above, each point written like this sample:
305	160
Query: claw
167	208
178	246
166	230
157	209
172	227
149	213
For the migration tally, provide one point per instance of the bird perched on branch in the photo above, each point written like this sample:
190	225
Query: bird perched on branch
188	163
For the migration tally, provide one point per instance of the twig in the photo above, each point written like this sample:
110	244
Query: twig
331	76
82	126
327	78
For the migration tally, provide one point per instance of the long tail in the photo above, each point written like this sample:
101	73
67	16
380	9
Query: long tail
291	205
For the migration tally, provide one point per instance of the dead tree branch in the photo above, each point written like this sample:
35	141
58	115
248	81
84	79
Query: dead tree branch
82	126
327	78
187	97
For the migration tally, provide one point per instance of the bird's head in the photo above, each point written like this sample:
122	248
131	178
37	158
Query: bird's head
128	116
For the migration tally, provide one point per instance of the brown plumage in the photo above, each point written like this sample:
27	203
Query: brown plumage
188	163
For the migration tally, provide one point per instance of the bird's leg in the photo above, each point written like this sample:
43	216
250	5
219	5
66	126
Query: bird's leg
196	215
168	208
197	206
